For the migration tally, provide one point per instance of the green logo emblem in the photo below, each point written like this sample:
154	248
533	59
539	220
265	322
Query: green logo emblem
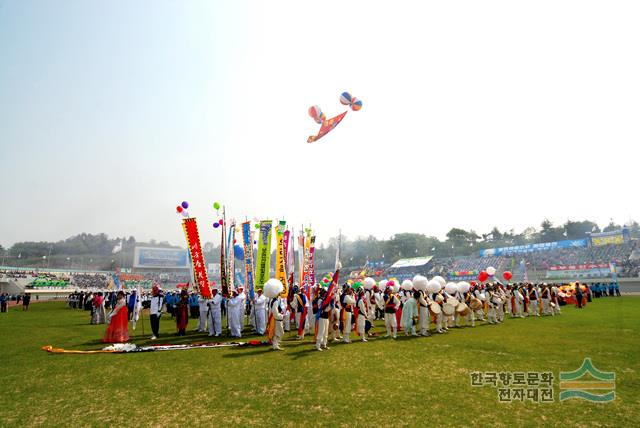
599	389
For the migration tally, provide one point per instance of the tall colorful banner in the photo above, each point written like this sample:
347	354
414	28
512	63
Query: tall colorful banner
312	265
248	257
264	253
305	268
285	241
223	266
190	228
281	273
231	267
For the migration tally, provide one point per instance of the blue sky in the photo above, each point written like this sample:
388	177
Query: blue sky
475	115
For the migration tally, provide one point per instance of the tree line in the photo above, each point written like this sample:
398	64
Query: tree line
101	252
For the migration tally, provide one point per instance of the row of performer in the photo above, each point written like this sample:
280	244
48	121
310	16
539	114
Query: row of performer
335	317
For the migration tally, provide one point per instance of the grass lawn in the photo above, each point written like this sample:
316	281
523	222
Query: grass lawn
408	382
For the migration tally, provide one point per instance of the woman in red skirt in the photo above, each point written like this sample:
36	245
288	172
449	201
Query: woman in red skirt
118	329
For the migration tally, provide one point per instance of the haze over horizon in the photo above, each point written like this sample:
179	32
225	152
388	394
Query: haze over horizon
475	115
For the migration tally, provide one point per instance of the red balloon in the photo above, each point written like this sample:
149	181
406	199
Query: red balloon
507	275
220	222
179	208
482	276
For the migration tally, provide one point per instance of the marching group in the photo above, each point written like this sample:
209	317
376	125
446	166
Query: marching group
413	307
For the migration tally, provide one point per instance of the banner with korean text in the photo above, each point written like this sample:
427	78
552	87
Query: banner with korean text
190	228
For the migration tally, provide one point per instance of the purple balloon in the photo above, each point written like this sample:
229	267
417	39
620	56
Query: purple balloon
185	204
216	225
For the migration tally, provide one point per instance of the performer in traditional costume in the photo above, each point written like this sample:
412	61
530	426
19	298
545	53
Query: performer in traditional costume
410	314
299	306
276	310
182	312
533	301
259	307
348	304
118	329
423	314
334	320
215	314
554	299
323	321
501	297
236	311
99	315
492	302
470	318
391	302
479	294
203	314
545	299
439	317
286	316
379	303
155	310
363	312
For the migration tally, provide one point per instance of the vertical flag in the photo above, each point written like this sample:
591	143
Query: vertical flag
223	266
305	268
264	253
248	257
312	265
197	260
301	260
285	244
281	273
231	267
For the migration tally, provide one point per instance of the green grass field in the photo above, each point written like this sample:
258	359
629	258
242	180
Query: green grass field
407	382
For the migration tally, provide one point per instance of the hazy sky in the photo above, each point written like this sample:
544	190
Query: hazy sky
475	114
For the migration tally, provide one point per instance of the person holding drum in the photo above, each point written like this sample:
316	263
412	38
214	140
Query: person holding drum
480	296
423	313
436	309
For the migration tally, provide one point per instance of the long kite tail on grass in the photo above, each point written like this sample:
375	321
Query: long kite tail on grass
53	350
127	347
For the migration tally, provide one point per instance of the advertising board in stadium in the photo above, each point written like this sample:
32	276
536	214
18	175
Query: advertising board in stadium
581	271
531	248
167	258
605	238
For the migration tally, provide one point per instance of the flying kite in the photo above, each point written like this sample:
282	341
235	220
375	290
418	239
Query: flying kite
328	124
